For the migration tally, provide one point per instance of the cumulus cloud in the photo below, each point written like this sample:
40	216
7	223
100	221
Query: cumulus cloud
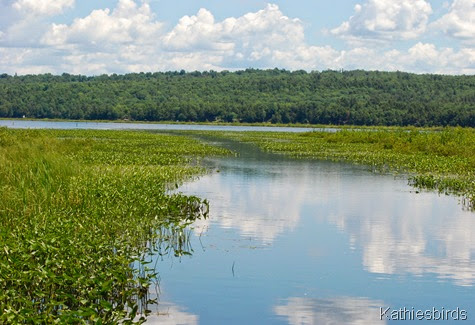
129	38
26	60
197	32
459	22
308	58
23	22
420	58
127	23
252	36
15	57
42	7
386	20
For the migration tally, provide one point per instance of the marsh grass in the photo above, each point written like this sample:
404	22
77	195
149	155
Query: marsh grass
80	214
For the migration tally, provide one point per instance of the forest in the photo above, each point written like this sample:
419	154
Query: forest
248	96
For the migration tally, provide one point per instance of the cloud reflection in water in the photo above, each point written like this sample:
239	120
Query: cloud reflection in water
341	310
397	231
170	314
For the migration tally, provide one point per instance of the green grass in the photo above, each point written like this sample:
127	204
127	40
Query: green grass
80	213
438	160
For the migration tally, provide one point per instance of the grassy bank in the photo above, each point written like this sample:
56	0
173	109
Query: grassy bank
78	209
442	160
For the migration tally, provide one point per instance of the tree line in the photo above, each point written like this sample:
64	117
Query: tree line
277	96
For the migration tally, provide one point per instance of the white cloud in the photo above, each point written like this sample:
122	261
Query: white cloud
459	22
197	32
129	38
23	22
254	35
127	23
12	56
308	58
420	58
42	7
25	60
134	39
385	20
427	58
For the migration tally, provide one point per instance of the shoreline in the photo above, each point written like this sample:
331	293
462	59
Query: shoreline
244	124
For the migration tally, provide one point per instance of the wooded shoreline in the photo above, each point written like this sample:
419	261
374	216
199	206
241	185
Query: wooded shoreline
250	96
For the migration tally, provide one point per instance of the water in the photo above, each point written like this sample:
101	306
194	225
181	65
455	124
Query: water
315	242
27	124
310	242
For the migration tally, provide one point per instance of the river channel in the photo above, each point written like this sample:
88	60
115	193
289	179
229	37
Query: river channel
315	242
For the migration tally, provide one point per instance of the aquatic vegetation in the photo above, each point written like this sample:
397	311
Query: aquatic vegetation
440	160
80	213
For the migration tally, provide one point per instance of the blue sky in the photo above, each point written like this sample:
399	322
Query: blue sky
119	36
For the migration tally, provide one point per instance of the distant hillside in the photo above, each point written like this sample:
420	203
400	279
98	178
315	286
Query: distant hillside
277	96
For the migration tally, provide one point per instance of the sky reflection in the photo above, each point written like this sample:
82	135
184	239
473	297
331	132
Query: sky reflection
397	231
317	242
170	314
341	310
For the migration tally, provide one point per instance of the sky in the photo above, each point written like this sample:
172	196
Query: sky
96	37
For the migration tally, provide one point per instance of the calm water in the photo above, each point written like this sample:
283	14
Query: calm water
25	124
311	242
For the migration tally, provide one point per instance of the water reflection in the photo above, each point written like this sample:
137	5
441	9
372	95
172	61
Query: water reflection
308	230
423	235
170	314
342	310
397	231
251	209
263	198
